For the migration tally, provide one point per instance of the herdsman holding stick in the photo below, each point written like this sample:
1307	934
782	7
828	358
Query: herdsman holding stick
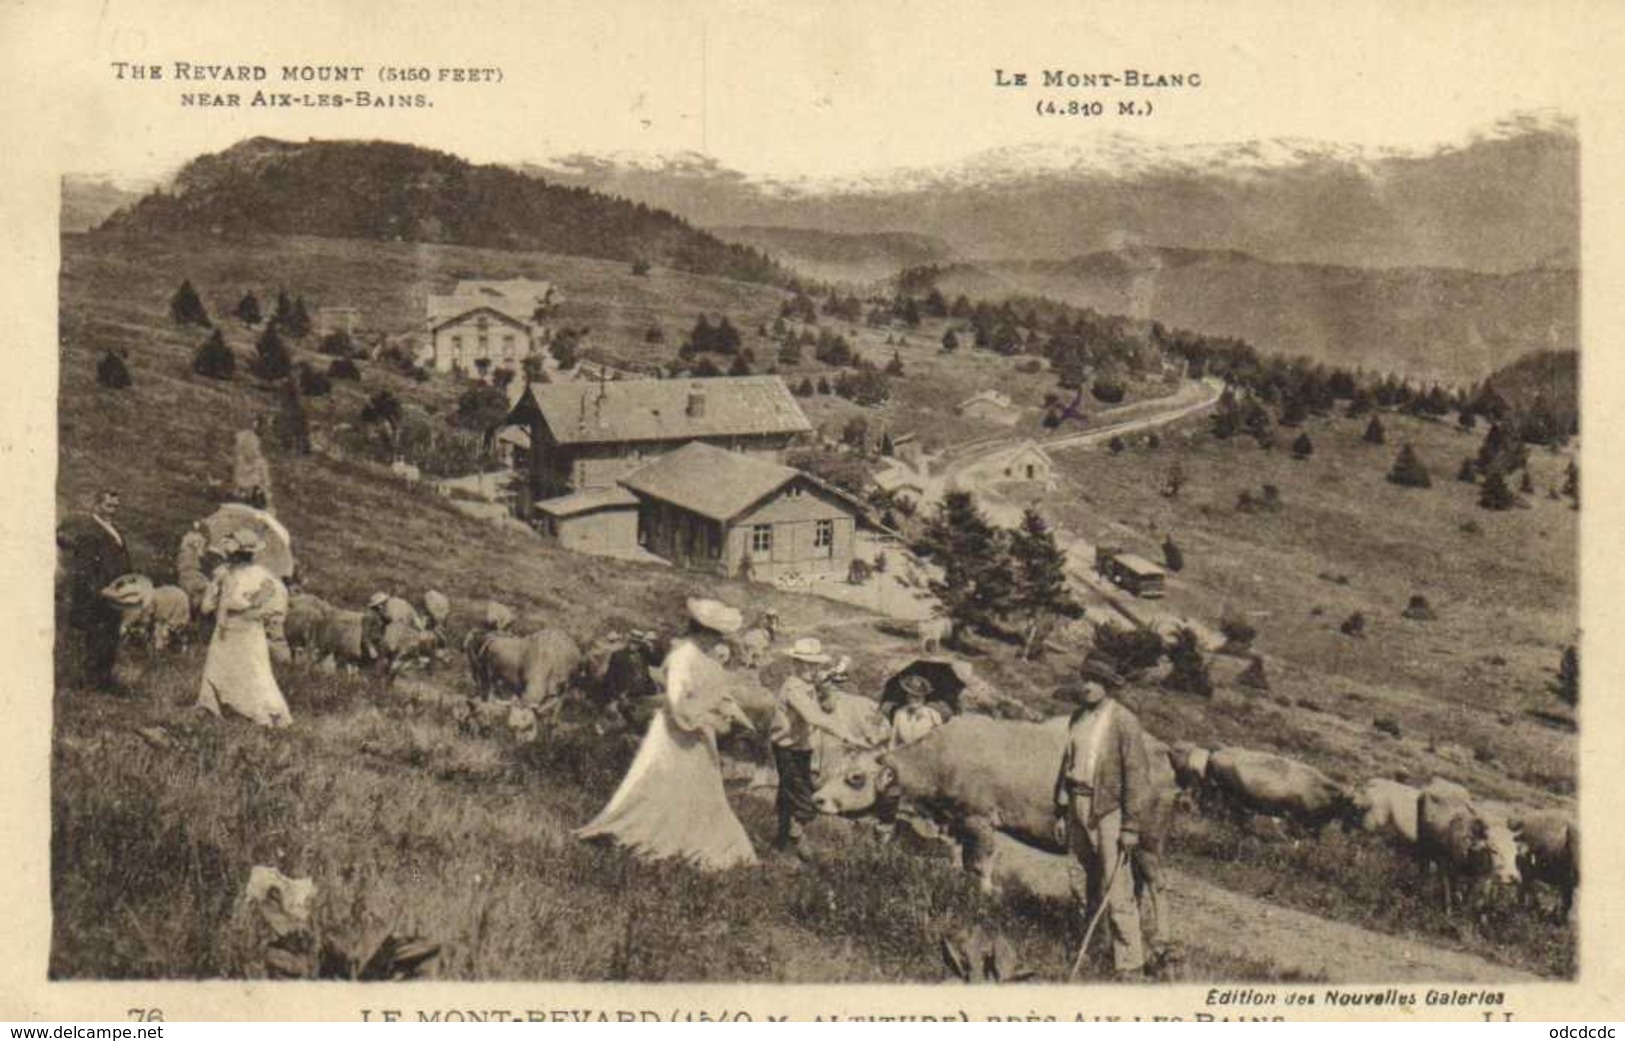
1099	795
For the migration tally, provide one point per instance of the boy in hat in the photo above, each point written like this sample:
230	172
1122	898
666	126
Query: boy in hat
798	711
1099	795
914	718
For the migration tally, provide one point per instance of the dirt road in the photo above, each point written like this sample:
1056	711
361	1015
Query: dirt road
1201	914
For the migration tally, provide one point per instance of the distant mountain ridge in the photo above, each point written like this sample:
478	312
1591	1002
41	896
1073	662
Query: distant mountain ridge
384	190
87	201
1507	199
1430	323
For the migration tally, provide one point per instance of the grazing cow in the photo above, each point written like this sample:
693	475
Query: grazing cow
1273	785
343	638
977	775
158	613
537	667
933	632
1387	809
307	613
1190	764
406	471
1549	852
1469	848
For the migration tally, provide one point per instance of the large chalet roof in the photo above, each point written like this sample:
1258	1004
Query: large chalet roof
719	484
617	411
516	297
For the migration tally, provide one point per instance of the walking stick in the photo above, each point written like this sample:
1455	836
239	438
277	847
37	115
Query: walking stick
1105	901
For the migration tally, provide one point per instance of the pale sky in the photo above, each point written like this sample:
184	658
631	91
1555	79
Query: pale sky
774	90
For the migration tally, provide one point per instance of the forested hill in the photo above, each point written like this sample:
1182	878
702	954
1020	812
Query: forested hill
382	190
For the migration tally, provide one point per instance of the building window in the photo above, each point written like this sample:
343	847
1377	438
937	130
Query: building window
485	346
507	348
456	348
824	536
794	492
1032	471
761	538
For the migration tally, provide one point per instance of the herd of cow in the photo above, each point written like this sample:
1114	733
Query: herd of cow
976	776
973	776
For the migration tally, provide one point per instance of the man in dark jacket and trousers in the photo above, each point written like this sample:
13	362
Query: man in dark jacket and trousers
94	554
1100	794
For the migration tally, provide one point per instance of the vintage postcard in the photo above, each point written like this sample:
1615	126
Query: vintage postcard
715	512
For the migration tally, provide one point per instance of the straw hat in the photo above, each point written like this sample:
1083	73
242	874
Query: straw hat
917	685
809	649
1100	671
248	540
377	600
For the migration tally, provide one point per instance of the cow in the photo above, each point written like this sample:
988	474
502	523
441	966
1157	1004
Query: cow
538	667
979	955
753	645
1468	847
343	638
307	613
1189	763
1548	844
977	775
1275	786
1387	810
933	632
156	612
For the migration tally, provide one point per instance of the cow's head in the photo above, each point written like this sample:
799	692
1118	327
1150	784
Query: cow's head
1500	849
856	785
130	590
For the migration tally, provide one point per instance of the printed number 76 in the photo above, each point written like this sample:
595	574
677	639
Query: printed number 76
147	1015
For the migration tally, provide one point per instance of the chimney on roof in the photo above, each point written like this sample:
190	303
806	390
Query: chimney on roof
696	403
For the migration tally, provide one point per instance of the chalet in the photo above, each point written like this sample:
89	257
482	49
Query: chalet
489	324
588	435
733	514
1025	463
991	406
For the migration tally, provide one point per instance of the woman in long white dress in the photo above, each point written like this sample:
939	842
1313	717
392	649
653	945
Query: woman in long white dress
237	672
671	803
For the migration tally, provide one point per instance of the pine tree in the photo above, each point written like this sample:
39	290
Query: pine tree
214	359
284	308
1527	485
950	341
292	422
248	310
888	448
740	366
1408	471
1374	433
977	581
1464	473
1189	673
1115	445
1495	495
1173	558
1041	592
1253	676
1303	448
895	366
271	358
185	307
805	388
111	372
1567	686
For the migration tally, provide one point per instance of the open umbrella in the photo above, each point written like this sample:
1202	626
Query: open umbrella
948	680
276	555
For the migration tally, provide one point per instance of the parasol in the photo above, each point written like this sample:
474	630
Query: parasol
275	556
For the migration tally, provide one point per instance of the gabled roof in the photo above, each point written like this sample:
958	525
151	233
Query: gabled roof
719	484
619	411
519	297
991	397
588	501
452	319
1005	456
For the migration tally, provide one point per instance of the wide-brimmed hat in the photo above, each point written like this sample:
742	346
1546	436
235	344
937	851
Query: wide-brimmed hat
914	683
377	600
715	615
1101	671
248	540
809	649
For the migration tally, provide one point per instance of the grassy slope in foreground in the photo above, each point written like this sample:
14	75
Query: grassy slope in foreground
165	439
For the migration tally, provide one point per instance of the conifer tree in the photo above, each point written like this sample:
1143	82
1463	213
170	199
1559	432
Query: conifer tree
1408	471
1374	433
186	308
1041	593
248	310
977	581
214	359
271	358
1495	495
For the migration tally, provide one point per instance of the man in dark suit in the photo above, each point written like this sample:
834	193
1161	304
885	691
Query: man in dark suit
94	554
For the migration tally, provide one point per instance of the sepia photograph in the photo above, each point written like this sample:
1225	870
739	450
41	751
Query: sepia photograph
1122	545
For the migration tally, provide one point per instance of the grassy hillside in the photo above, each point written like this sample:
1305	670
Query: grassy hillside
465	839
1441	324
391	192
